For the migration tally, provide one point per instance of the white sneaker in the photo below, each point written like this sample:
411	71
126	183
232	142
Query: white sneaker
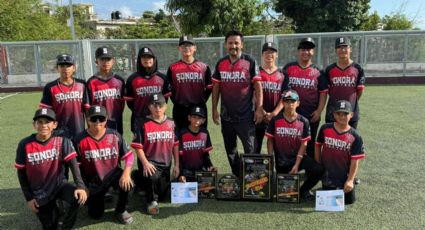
153	208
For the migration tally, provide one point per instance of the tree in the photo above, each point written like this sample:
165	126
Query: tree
81	15
159	16
372	22
215	17
397	21
324	15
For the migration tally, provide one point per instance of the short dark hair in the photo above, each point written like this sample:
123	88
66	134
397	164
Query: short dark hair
233	33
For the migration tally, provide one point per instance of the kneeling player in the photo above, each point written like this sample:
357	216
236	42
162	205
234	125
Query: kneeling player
100	150
195	146
155	144
288	134
39	160
339	148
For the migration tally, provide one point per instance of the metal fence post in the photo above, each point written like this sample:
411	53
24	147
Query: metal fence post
406	44
38	66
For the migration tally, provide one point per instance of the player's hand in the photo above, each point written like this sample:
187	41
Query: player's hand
294	170
258	116
216	117
176	171
80	195
348	186
126	183
315	116
182	179
148	169
212	169
33	205
268	117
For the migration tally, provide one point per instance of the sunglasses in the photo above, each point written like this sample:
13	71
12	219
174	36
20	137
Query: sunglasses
97	118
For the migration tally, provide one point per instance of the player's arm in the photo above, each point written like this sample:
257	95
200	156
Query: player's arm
176	169
300	156
23	181
270	146
317	152
259	111
125	181
80	193
315	116
148	168
215	97
276	111
349	184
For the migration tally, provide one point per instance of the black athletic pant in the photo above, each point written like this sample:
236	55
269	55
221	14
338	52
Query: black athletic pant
181	113
314	172
157	186
48	214
260	130
96	200
245	130
349	197
310	144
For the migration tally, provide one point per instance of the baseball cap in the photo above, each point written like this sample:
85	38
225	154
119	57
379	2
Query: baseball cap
103	52
269	45
65	59
343	106
198	111
186	39
46	113
146	51
290	95
342	41
96	110
157	98
307	43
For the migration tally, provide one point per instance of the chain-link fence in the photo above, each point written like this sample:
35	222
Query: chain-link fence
381	53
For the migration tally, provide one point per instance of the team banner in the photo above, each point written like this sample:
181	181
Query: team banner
257	176
288	188
206	184
228	188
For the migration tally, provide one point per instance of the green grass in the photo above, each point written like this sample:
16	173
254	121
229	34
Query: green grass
391	195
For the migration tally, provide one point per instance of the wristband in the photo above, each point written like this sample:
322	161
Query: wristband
300	156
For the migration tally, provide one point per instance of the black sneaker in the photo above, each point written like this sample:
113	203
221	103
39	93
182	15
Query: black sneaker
109	197
307	196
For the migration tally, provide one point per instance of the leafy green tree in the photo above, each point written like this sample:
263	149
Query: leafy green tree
159	16
397	21
324	15
81	15
372	22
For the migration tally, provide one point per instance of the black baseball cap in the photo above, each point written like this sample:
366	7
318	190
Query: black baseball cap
342	41
96	110
269	45
65	59
198	111
103	52
307	43
46	113
157	98
146	51
343	106
290	95
186	39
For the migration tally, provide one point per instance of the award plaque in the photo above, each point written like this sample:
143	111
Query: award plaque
206	184
288	188
257	175
228	187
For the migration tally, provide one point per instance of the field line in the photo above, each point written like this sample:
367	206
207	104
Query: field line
1	98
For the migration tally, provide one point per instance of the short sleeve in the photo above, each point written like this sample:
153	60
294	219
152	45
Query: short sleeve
123	146
306	129
271	128
20	161
138	139
46	99
357	149
320	135
208	145
322	83
68	150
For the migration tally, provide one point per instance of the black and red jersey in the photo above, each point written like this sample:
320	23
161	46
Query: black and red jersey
344	84
287	137
157	140
338	149
193	147
69	103
273	85
108	93
43	163
236	87
190	83
308	82
100	158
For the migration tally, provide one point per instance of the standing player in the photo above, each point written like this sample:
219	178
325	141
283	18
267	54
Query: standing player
155	144
40	158
147	80
309	82
107	89
346	81
339	148
288	134
273	83
190	81
100	150
234	80
195	146
67	96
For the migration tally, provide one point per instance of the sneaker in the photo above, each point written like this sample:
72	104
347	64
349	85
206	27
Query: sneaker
153	208
307	196
356	180
108	197
125	218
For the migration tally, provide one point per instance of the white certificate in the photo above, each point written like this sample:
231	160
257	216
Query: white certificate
184	193
330	200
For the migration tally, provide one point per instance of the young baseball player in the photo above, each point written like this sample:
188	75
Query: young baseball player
107	89
273	83
140	85
155	145
235	81
339	148
100	151
309	82
67	96
190	81
40	160
195	146
288	134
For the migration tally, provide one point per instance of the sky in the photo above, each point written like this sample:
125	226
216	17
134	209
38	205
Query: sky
414	9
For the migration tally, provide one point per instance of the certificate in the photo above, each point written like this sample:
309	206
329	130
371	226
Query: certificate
330	200
184	193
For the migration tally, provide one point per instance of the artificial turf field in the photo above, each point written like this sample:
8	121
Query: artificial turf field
391	194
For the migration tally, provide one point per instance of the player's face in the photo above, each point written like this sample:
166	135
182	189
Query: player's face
96	123
196	121
234	46
343	52
105	64
66	70
342	118
44	127
157	109
290	105
147	61
187	49
305	55
269	56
